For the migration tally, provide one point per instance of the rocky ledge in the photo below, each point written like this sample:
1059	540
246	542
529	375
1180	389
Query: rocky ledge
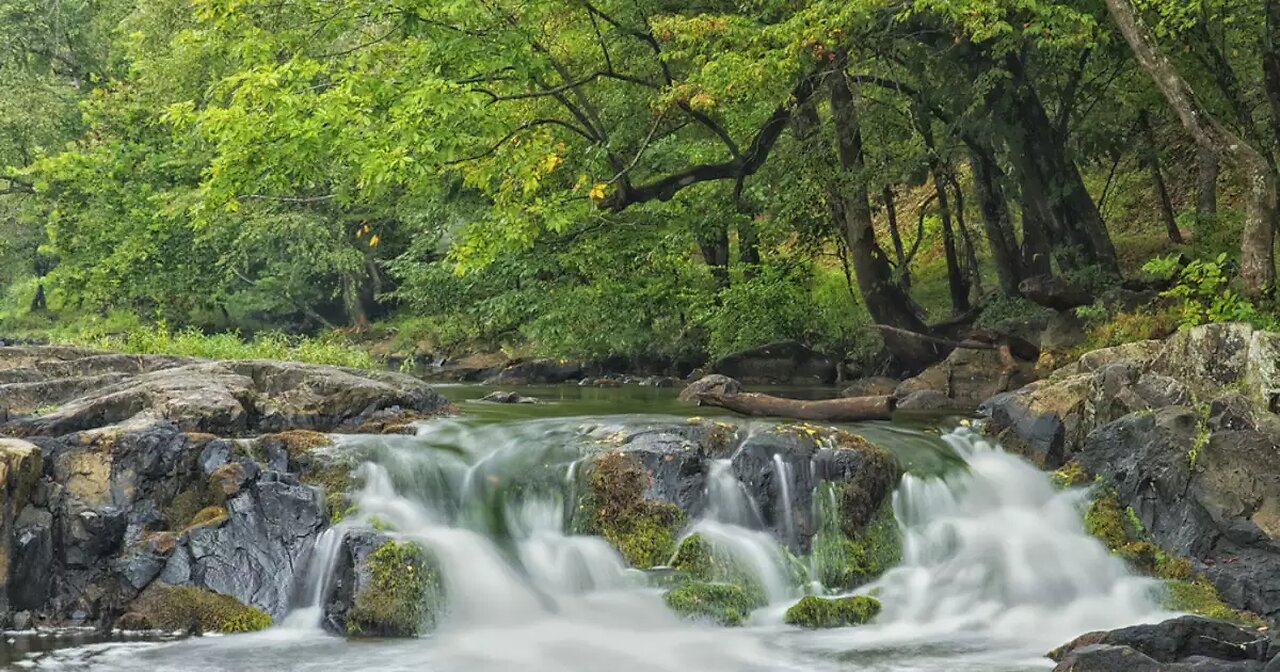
151	491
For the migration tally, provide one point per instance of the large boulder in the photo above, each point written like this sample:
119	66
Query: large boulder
1054	292
537	372
712	384
972	373
382	587
231	398
1184	644
784	362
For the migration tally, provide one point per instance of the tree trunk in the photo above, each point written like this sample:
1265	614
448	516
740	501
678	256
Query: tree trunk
850	409
995	219
891	216
972	272
1053	182
715	252
885	300
748	248
1257	257
1151	156
956	281
1271	64
1206	186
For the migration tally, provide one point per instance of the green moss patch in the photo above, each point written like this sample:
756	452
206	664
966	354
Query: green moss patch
210	516
644	531
821	612
402	596
1119	529
166	607
699	560
841	562
722	603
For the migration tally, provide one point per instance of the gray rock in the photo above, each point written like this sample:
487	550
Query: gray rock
508	398
537	372
1178	645
257	552
1054	292
930	400
874	386
712	384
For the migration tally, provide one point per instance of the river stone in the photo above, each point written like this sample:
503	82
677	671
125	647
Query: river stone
349	574
537	372
712	384
257	552
676	458
1185	643
501	397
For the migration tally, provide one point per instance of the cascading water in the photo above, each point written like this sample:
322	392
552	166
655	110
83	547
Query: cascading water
996	568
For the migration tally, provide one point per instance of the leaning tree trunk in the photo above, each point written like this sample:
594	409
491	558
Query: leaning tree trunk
956	281
891	218
848	409
1050	177
887	303
1257	257
1151	156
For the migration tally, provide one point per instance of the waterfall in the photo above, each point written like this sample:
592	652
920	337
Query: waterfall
782	475
996	548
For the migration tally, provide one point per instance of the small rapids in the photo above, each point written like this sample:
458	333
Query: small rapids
996	569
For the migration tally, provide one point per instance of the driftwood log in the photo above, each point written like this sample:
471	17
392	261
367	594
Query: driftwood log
830	410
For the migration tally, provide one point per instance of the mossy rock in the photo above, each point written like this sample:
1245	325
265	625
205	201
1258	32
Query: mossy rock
400	595
299	442
722	603
821	612
185	608
210	516
842	563
644	531
1198	596
698	560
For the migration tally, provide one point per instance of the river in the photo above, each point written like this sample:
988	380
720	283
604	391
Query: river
996	567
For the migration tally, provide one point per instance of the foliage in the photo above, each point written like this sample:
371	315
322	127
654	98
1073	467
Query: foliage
822	612
1203	288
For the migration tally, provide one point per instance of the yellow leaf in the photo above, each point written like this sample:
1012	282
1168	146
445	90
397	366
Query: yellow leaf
597	192
373	242
552	162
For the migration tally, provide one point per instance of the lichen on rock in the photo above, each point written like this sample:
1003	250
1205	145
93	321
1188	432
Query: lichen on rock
821	612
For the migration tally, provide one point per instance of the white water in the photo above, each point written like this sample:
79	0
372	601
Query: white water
782	474
996	569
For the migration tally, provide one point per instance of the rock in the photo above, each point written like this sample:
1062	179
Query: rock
1186	643
968	376
508	398
1211	357
873	386
929	401
1045	421
712	384
537	372
382	588
233	398
784	362
179	608
676	457
821	612
1062	332
255	553
1054	292
720	603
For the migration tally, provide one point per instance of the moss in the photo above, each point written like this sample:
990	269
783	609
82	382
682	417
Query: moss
722	603
182	509
210	516
1198	596
168	607
336	482
644	531
698	560
842	563
1119	529
820	612
299	442
402	595
1069	475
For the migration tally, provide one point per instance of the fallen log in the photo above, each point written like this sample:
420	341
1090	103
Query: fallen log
847	409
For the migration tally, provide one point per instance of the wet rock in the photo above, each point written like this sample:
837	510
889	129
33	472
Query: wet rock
508	398
712	384
382	588
1186	643
676	456
784	362
1054	292
820	612
874	386
1045	421
929	401
255	554
537	372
